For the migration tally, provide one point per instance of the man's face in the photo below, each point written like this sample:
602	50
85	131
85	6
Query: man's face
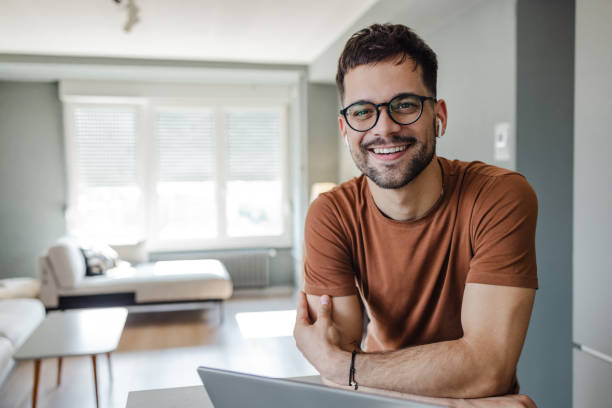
412	147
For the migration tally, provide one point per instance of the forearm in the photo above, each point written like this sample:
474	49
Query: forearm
452	369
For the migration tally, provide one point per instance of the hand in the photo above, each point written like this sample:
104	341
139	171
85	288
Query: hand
319	341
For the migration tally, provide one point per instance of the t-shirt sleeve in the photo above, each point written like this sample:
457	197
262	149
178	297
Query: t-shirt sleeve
328	268
503	234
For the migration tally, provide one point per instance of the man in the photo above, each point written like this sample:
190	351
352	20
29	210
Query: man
441	254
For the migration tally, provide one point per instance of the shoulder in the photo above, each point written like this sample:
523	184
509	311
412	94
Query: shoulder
486	183
341	200
475	169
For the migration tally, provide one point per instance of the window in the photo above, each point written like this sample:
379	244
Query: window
254	187
180	173
107	200
186	183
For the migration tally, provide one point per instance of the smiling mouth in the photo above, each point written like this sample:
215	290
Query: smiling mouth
389	154
389	150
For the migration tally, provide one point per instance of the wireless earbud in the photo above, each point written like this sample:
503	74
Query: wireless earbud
439	127
346	140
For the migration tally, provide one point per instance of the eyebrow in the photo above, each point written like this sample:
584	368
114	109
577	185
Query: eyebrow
393	97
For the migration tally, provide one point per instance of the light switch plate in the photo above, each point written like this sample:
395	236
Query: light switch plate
502	141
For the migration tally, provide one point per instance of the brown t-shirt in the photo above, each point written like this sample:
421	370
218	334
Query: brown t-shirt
410	275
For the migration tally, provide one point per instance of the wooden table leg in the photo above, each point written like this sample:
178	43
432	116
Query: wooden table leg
110	367
95	370
36	378
59	371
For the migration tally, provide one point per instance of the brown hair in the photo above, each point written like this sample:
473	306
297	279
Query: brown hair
380	42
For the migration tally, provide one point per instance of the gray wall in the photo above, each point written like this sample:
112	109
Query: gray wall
422	16
545	141
323	134
32	178
477	78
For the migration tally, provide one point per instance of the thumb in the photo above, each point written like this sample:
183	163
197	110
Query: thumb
325	307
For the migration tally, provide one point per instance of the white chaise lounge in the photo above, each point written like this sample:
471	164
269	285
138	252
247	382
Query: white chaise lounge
64	284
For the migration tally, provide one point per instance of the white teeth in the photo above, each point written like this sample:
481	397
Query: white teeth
390	150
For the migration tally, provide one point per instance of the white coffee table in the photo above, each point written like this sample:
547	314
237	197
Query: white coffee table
84	332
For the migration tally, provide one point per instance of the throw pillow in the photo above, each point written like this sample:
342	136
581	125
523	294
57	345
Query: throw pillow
98	259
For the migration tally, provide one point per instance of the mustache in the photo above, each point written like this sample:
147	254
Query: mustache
396	139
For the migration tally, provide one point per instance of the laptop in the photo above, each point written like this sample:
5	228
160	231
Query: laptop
228	389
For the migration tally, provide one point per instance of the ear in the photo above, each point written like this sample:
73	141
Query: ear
441	115
343	129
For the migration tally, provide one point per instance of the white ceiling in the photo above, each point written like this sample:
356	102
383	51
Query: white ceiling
261	31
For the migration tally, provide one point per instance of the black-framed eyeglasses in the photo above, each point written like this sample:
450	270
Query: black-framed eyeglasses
404	109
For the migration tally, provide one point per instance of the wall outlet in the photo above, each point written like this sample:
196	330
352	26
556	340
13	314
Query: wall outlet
502	141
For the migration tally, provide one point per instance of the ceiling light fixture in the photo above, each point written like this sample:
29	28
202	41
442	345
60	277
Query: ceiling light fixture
133	12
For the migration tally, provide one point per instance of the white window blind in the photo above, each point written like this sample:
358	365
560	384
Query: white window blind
254	144
186	196
254	186
107	202
185	145
105	141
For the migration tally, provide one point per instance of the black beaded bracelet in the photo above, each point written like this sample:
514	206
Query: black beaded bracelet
352	381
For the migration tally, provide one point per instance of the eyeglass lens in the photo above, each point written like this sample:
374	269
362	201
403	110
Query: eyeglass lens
404	109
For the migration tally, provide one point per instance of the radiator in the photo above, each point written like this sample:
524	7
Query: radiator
248	269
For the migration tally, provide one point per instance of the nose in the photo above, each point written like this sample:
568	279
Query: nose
385	125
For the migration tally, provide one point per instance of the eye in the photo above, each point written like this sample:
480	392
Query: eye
406	105
361	112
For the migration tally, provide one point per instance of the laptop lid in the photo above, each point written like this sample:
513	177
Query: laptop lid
228	389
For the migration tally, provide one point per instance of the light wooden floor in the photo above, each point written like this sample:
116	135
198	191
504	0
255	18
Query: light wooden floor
161	350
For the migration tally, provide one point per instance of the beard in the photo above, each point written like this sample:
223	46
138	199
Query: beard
396	175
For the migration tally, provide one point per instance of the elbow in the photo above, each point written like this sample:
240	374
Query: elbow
498	385
493	374
491	377
493	382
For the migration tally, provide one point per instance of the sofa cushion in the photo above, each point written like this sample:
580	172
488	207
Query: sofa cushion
67	262
11	288
19	318
98	259
164	281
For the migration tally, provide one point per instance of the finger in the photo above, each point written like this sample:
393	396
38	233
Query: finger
324	312
301	314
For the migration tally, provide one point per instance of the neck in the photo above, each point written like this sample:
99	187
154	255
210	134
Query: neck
413	200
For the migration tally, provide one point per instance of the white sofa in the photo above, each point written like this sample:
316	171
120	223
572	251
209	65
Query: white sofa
18	319
64	284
